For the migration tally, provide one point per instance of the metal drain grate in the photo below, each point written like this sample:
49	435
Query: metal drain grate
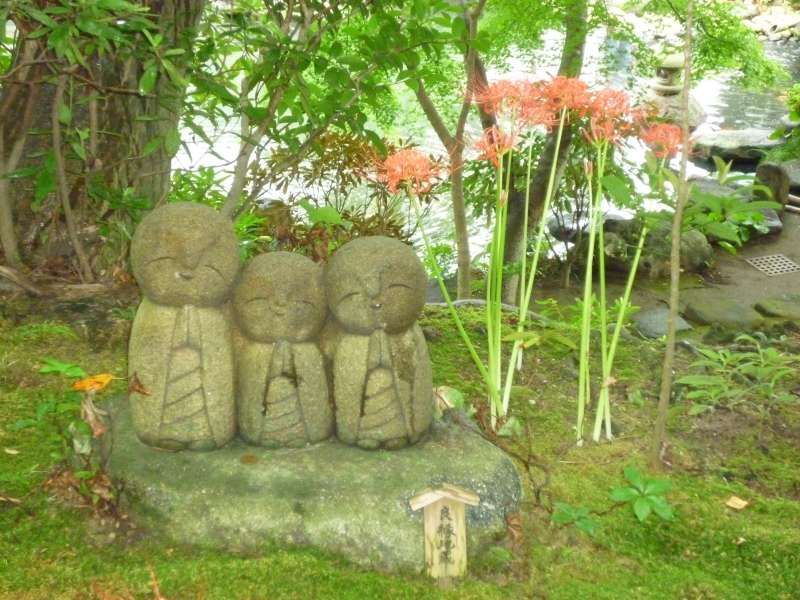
774	264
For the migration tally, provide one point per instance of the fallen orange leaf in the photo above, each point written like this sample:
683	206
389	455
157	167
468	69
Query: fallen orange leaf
95	383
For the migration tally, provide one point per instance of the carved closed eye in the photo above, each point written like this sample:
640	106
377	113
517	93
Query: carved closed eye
346	296
400	285
160	258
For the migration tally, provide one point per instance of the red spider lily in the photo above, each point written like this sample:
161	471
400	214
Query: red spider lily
610	116
535	107
567	93
408	167
495	144
501	95
663	139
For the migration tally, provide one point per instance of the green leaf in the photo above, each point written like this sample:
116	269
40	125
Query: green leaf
64	114
657	487
662	508
151	146
148	80
118	6
172	141
633	475
642	508
618	188
625	494
52	365
42	17
78	149
326	215
174	75
701	380
724	231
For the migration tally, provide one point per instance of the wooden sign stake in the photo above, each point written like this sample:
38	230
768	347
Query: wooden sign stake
445	530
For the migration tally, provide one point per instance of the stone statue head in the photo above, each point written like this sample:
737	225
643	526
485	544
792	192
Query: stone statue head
280	296
375	283
185	253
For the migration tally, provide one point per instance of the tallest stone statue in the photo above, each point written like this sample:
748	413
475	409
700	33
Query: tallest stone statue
185	259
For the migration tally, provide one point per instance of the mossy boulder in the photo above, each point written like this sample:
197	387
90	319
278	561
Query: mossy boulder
331	496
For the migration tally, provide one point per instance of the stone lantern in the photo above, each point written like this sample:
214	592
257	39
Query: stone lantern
666	92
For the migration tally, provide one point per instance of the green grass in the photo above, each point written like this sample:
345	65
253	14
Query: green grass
49	550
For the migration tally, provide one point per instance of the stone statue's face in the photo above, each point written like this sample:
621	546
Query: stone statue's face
185	253
375	283
280	296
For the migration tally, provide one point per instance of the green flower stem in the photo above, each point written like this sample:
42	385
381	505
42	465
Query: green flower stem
451	307
537	251
584	388
602	153
604	402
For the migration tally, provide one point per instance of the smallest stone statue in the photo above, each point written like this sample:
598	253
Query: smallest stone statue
282	388
379	358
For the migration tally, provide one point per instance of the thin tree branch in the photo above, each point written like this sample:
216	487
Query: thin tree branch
63	190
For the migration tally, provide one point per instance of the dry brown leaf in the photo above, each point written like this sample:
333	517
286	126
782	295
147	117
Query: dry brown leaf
135	386
95	417
736	503
514	527
10	500
11	451
248	459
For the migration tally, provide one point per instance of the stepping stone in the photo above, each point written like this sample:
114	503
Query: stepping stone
782	307
652	323
724	312
746	145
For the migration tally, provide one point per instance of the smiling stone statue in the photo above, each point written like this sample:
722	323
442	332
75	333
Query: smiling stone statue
379	358
185	258
282	388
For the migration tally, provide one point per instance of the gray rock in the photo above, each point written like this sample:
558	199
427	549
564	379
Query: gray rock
329	495
745	145
783	307
776	178
652	323
723	312
282	387
792	168
696	251
382	381
185	258
670	108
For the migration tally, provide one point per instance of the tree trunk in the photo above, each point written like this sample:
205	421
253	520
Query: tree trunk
576	27
104	100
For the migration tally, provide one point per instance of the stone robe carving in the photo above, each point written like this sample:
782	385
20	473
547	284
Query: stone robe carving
282	388
378	356
185	259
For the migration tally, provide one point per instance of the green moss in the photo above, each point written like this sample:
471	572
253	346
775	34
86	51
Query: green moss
708	551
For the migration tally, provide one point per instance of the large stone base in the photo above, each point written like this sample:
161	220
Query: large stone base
338	498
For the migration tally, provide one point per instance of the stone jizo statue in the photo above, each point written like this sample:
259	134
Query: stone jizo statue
282	388
185	259
378	357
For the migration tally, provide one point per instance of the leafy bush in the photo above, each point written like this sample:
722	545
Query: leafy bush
728	377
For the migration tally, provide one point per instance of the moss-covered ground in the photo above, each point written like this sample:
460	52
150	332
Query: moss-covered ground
49	549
